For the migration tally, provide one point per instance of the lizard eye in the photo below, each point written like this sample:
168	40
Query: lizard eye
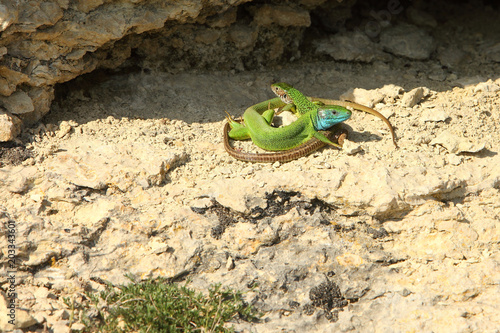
334	112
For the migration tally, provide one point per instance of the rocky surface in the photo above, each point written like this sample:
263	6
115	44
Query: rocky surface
43	43
127	175
402	232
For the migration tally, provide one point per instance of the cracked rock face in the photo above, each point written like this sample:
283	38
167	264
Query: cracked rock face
47	42
43	43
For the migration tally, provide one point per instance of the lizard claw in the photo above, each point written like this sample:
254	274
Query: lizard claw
229	118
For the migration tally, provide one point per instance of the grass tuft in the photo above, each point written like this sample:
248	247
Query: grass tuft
160	306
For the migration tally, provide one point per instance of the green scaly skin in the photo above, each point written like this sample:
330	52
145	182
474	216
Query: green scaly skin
296	100
257	126
303	104
283	156
289	96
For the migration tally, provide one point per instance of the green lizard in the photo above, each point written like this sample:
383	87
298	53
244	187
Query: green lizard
282	156
294	100
257	126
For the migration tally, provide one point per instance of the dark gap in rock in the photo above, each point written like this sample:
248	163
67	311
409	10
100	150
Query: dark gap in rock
326	296
13	153
278	203
85	83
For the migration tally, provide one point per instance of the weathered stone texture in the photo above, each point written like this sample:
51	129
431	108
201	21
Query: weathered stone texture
47	42
43	43
284	16
10	126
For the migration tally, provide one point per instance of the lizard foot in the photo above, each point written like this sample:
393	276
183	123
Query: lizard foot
340	136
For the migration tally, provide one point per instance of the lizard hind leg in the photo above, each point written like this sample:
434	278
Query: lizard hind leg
238	130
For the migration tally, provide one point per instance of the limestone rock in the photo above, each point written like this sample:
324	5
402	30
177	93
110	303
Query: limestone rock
457	144
17	103
44	252
351	148
451	56
488	86
6	87
17	179
408	41
10	126
354	46
363	96
99	166
421	18
391	92
42	99
243	36
413	97
49	42
20	317
282	15
433	115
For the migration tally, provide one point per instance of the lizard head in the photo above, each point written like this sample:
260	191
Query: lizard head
329	115
282	90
